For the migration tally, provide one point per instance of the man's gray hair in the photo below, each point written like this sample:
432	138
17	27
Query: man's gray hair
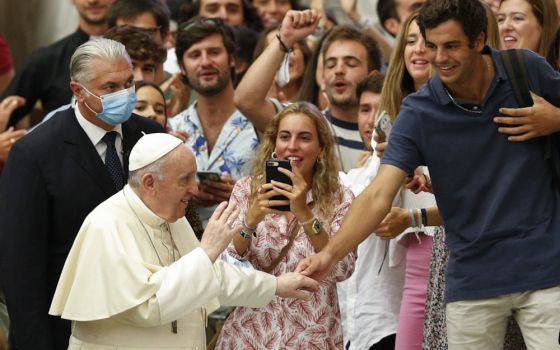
97	48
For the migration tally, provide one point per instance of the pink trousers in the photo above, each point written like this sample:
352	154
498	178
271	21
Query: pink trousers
411	317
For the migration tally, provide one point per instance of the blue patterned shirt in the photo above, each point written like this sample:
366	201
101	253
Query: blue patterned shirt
233	154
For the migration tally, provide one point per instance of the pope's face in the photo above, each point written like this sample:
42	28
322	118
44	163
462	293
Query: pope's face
177	187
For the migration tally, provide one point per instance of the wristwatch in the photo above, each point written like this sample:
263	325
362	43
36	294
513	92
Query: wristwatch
315	227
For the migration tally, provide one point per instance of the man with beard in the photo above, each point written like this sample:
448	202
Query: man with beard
223	140
44	76
349	55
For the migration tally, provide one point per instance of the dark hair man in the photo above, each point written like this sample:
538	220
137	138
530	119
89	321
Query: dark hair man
151	16
392	13
54	177
223	140
502	230
233	12
349	55
372	295
146	54
44	75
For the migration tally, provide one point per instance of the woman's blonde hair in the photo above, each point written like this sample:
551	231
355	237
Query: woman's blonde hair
398	82
492	32
325	185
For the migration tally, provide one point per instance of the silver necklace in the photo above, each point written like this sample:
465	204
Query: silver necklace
476	110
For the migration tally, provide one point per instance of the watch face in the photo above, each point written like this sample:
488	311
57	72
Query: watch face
316	226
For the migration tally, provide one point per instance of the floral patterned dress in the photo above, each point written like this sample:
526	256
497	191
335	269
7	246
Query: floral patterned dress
288	323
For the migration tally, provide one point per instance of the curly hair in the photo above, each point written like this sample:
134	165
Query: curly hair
469	13
139	45
325	185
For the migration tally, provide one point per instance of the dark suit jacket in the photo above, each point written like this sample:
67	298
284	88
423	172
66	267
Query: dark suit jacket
52	179
45	76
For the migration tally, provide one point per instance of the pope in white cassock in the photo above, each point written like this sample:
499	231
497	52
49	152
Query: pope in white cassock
136	276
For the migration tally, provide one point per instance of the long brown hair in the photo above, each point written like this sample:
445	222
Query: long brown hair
398	82
325	185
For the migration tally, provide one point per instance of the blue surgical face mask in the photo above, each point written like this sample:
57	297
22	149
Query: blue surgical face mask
117	106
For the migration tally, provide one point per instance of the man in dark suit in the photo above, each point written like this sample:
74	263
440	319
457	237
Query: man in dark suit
54	177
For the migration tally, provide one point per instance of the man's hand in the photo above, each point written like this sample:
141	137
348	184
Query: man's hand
524	124
379	146
7	140
317	266
180	134
297	25
180	94
7	107
396	221
420	182
220	230
295	285
213	192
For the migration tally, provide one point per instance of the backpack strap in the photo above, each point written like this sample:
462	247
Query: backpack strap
516	70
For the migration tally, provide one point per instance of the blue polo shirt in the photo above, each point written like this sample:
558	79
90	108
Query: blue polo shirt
496	197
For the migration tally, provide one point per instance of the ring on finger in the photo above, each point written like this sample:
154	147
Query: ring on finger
230	224
12	140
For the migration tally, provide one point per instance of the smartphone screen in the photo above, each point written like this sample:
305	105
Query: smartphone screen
272	173
383	126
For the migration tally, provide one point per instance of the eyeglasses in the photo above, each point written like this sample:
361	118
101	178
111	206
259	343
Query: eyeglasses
206	21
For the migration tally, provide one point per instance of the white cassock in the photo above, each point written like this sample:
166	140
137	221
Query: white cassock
117	293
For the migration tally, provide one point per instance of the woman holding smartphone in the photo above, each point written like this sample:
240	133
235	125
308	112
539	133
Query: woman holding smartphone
274	241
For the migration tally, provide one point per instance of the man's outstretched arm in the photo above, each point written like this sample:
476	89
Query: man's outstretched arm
365	214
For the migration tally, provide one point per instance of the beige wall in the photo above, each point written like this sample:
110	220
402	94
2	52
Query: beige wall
28	24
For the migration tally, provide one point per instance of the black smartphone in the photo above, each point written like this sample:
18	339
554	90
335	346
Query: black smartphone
272	173
205	176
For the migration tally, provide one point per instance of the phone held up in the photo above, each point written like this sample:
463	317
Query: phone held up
207	176
383	126
272	173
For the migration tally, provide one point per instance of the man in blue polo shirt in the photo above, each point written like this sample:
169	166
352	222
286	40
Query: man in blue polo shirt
497	200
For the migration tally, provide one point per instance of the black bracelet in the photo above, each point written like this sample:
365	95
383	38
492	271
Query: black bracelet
244	234
284	47
424	217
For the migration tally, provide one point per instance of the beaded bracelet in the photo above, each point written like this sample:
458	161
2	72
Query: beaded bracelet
412	218
253	230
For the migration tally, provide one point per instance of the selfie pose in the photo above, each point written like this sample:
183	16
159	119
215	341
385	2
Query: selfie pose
274	241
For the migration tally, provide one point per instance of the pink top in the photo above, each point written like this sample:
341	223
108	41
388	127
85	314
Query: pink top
288	323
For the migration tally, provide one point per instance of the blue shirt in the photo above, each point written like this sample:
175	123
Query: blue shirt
232	155
496	197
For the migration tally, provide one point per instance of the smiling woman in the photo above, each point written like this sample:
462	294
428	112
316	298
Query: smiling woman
527	24
275	241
